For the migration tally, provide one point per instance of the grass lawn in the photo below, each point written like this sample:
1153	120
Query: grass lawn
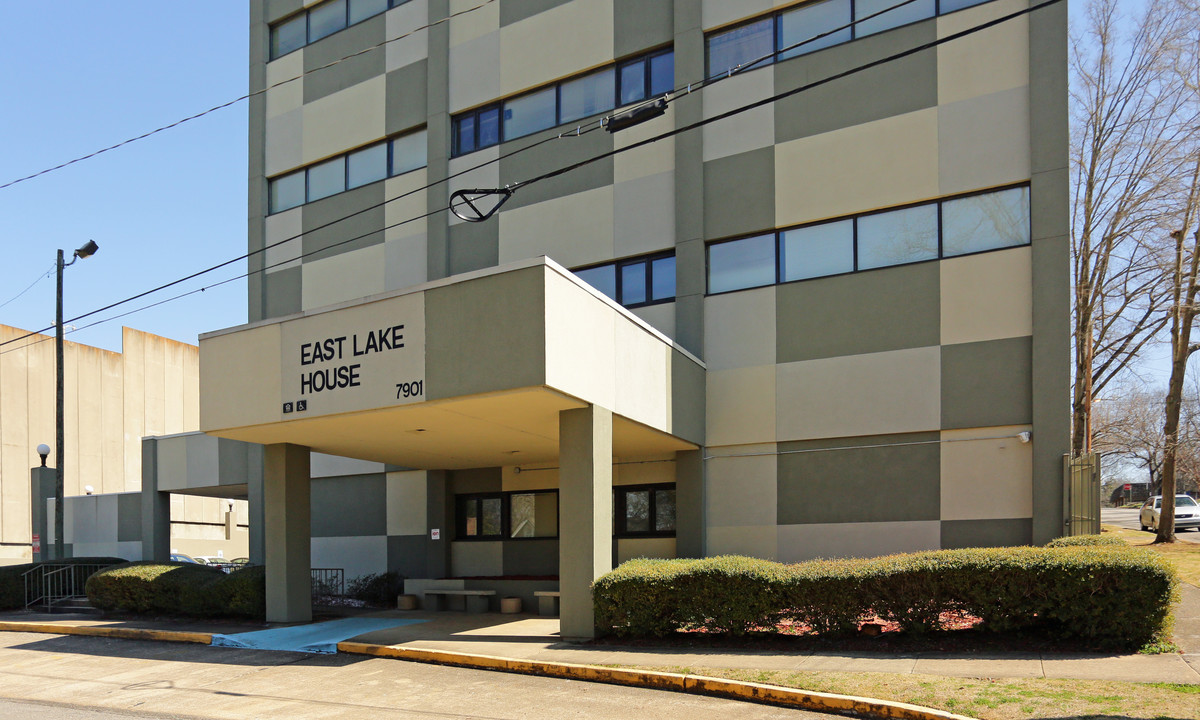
1184	556
1005	699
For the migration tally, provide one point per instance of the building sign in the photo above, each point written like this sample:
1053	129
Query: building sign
362	357
37	543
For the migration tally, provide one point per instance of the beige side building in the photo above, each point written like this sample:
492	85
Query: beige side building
112	401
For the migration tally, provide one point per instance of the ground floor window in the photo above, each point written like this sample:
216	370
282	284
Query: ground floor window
496	516
644	511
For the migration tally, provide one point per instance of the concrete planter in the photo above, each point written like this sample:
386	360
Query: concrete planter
406	602
510	605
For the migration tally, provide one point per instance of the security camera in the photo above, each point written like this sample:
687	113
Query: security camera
1024	436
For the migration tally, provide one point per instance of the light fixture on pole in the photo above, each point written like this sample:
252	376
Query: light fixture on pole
87	250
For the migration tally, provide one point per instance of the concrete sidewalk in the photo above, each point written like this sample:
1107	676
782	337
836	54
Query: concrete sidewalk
524	637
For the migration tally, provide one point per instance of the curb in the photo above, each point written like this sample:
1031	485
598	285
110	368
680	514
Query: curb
108	632
691	684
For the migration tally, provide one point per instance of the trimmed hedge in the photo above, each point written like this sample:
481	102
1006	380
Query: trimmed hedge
12	578
1105	595
1086	541
179	589
376	588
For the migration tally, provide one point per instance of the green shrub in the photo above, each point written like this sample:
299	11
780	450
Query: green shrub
1085	540
1101	593
376	588
12	578
243	592
179	589
149	587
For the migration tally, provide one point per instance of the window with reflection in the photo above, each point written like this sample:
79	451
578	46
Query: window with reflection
644	511
533	514
634	282
739	264
898	237
322	20
529	113
730	48
346	172
801	27
979	222
987	221
586	96
566	101
480	516
327	178
817	250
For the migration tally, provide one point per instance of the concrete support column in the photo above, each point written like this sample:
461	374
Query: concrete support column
156	508
439	514
254	504
689	504
287	532
41	488
585	514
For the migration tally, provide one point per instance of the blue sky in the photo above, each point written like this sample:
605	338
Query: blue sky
84	75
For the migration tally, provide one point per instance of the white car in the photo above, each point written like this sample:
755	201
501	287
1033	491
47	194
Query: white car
1187	513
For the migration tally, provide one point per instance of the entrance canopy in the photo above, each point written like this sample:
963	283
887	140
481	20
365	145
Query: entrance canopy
469	371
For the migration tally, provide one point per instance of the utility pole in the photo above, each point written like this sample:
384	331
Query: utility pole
59	434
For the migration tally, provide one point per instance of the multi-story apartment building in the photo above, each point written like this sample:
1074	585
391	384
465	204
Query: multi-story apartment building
832	323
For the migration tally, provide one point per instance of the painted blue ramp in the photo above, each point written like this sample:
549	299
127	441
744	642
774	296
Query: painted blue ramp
315	638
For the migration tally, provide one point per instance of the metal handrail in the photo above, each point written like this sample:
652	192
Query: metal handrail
51	583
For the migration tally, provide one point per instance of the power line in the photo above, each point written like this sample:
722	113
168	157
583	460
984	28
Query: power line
40	278
578	131
237	100
553	173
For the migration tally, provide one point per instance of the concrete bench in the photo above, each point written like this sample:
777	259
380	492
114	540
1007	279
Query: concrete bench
474	601
547	602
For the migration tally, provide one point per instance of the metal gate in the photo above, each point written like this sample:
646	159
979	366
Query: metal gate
1081	494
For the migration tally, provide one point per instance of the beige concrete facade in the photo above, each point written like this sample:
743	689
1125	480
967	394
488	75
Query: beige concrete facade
111	399
869	408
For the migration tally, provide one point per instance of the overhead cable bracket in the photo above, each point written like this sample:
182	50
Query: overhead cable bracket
465	203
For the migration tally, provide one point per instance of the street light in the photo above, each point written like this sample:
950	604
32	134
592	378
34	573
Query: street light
86	251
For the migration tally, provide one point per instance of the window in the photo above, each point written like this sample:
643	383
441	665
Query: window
516	515
588	95
731	48
289	35
409	152
564	102
477	129
901	15
346	172
809	21
979	222
634	282
327	178
647	510
817	250
533	514
898	237
326	19
745	263
287	192
985	222
480	516
367	166
528	114
815	25
322	20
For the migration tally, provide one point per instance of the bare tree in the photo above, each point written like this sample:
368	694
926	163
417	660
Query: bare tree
1181	216
1128	430
1125	138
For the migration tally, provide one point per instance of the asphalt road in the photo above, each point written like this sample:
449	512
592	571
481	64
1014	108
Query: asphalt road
1129	519
71	678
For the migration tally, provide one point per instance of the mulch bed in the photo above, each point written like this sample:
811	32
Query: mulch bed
961	634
